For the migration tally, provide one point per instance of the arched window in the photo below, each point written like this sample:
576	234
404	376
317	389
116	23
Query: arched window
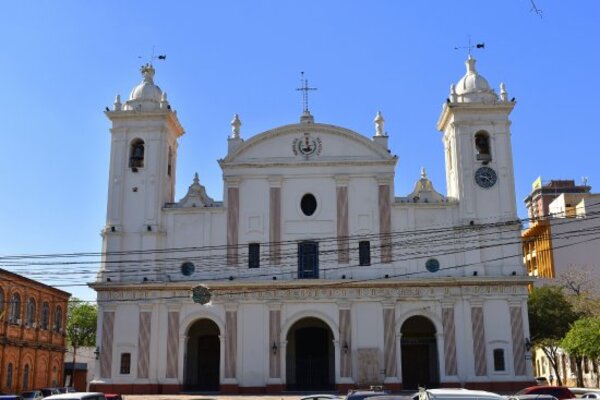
26	377
9	376
30	312
136	154
57	319
482	146
45	316
15	309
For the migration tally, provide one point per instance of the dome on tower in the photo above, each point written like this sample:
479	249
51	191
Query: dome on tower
473	87
146	95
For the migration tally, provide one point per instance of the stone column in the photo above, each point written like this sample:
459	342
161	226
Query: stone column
230	340
343	246
385	220
449	339
145	331
275	221
389	340
479	347
518	338
106	348
233	221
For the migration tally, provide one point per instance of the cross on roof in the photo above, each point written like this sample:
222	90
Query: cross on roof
304	89
471	46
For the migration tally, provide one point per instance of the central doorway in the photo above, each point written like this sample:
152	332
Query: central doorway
310	361
203	357
419	354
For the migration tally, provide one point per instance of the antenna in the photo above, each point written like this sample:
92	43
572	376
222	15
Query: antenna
304	89
470	46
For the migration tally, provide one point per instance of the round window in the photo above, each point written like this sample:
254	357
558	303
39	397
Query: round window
308	204
187	268
432	265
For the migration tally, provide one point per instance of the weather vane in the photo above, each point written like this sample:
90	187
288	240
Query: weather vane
153	57
471	46
304	89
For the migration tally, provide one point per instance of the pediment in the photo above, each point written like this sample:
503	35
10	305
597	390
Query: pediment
307	142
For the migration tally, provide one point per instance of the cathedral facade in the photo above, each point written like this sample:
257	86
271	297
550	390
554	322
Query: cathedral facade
311	274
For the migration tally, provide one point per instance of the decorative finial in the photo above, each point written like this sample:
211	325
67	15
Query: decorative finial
117	104
423	173
147	71
235	127
453	95
304	89
196	178
470	46
471	65
379	124
503	92
163	100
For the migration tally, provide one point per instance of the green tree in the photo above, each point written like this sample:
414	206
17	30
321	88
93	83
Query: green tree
81	326
583	340
550	318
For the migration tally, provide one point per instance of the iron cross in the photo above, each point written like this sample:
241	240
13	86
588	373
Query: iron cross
304	89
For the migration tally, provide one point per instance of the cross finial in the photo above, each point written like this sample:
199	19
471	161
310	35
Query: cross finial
304	89
470	46
154	57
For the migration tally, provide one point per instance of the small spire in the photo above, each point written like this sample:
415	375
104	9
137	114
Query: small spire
503	92
423	173
196	179
117	104
235	127
163	100
379	124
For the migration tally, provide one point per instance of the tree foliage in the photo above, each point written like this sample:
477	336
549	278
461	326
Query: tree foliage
550	318
81	323
580	287
583	339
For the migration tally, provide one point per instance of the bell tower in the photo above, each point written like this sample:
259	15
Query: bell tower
144	136
477	144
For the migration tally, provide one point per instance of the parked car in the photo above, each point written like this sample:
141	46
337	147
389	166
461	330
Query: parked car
591	395
531	397
311	397
77	396
33	395
66	389
361	394
560	392
49	391
112	396
455	394
10	397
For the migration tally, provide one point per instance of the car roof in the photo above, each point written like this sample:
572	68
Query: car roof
460	392
72	395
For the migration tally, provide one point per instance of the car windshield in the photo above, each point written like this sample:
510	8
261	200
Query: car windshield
28	395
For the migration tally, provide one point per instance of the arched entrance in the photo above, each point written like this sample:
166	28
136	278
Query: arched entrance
419	354
310	363
203	356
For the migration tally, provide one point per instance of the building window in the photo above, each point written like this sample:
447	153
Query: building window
125	363
308	204
26	377
499	360
15	309
432	265
136	154
58	319
30	312
253	255
308	260
45	316
482	146
364	252
9	376
169	161
187	268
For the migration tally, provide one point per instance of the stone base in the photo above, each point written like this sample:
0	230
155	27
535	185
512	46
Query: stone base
148	388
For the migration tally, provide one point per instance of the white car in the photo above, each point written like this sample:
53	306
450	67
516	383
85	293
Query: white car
591	395
77	396
455	394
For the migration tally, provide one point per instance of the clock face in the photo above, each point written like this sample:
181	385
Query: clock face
485	177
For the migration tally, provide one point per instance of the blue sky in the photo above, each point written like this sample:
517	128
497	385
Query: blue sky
62	62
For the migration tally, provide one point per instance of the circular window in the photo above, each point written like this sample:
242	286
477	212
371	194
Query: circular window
308	204
187	268
432	265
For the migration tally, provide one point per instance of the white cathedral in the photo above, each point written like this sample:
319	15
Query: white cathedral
317	276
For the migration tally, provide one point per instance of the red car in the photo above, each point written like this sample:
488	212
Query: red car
560	392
